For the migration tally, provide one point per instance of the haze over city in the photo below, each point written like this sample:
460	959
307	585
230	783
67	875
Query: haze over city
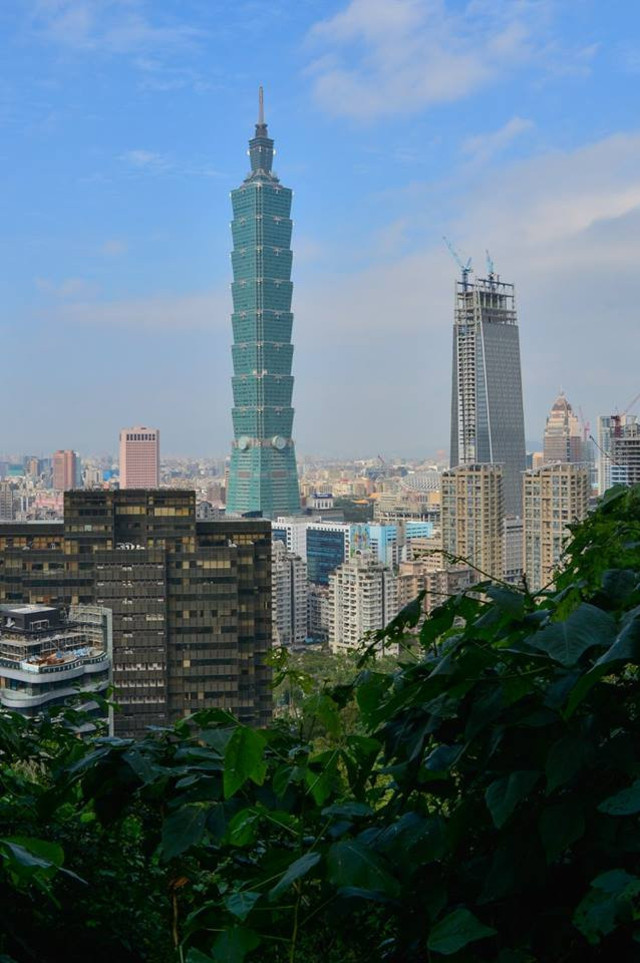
125	127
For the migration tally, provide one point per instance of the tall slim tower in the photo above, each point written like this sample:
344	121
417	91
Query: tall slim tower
263	475
487	415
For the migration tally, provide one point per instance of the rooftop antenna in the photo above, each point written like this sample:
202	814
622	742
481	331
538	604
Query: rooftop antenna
465	268
260	107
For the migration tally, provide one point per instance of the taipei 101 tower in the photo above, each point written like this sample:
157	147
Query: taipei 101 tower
263	476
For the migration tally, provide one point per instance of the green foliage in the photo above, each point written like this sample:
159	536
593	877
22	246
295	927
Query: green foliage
477	800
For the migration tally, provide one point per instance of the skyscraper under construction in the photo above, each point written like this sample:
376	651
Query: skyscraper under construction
263	477
487	416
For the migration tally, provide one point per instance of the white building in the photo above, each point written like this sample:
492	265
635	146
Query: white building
472	516
363	598
555	496
289	598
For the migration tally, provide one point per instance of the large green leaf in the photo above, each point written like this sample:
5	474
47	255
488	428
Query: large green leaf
456	931
623	803
196	956
608	901
240	904
233	945
626	647
565	759
618	584
352	864
182	829
27	858
508	600
565	642
300	867
243	827
560	826
503	795
244	759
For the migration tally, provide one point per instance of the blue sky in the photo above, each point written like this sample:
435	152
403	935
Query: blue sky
511	125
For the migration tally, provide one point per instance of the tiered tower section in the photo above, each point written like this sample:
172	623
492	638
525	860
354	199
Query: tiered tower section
263	475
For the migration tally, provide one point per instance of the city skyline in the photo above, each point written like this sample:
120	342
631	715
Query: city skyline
398	122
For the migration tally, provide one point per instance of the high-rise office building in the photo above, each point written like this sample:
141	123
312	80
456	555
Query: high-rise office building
289	596
487	416
563	440
66	471
191	600
472	517
139	457
363	597
263	475
554	496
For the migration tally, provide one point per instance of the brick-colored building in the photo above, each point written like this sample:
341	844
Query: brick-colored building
139	457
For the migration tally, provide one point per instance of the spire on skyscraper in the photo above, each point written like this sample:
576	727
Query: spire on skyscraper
261	145
261	122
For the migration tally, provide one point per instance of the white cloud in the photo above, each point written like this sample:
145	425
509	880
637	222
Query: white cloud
114	247
112	26
397	56
151	162
146	160
68	288
159	312
483	147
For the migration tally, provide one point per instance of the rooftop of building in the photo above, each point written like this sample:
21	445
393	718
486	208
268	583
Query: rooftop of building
29	609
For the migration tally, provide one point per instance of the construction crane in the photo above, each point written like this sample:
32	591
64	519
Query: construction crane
490	265
492	277
465	268
617	418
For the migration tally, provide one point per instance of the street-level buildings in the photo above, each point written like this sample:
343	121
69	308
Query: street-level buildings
554	496
191	600
263	476
487	415
472	517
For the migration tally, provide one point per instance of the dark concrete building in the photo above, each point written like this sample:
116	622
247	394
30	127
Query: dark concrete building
191	600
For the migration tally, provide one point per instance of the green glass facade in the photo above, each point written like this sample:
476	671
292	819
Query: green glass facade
263	476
